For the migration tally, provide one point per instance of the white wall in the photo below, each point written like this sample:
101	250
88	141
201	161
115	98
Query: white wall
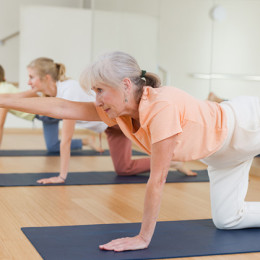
236	48
10	23
185	46
63	34
136	34
184	43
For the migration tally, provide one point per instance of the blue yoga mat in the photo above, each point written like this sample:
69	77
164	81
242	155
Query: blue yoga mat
94	178
46	153
171	239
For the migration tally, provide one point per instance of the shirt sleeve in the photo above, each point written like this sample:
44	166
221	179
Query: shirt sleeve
105	118
165	122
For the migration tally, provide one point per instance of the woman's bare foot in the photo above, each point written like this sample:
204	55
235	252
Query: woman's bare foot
182	168
91	142
214	98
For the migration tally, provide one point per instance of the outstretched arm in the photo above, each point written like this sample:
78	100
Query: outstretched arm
160	162
53	107
22	94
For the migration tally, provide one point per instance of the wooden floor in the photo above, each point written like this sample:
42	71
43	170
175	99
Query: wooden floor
82	205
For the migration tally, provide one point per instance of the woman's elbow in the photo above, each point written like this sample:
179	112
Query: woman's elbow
65	143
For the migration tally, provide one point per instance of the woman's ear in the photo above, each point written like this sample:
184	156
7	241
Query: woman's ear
48	77
127	83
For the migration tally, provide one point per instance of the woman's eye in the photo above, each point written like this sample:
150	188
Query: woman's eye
99	90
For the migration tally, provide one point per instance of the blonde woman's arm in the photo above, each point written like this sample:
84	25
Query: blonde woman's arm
68	127
53	107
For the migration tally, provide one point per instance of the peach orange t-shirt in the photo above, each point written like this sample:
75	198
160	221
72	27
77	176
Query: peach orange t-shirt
198	127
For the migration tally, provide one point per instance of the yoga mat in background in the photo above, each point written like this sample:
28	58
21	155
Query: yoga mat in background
171	239
94	178
46	153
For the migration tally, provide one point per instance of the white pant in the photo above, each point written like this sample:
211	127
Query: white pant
229	167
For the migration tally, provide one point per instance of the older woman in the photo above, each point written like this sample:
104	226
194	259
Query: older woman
170	125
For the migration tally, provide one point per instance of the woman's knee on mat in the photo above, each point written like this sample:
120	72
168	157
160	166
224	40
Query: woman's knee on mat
123	169
224	221
53	147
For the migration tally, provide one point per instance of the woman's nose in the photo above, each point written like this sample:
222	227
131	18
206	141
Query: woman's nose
98	101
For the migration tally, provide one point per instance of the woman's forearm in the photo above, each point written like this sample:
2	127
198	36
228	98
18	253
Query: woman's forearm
68	128
152	203
53	107
64	159
160	161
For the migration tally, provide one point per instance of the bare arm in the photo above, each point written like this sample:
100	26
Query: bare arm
3	113
23	94
160	162
53	107
66	137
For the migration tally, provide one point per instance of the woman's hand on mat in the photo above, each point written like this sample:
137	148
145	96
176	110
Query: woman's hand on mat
126	243
57	179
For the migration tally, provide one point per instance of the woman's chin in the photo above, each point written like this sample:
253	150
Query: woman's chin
111	115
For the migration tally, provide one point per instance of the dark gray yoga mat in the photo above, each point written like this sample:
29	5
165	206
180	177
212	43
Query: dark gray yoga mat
46	153
171	239
94	178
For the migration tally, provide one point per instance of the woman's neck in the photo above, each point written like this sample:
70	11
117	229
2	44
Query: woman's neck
52	89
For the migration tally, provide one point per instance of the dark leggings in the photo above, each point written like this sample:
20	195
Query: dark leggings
51	134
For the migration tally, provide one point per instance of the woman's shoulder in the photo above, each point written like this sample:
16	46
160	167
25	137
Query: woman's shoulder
164	93
6	87
68	82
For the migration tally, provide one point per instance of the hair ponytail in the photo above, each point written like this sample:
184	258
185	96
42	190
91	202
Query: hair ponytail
61	72
46	66
150	79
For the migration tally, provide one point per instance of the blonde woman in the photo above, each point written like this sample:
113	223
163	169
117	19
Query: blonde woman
49	79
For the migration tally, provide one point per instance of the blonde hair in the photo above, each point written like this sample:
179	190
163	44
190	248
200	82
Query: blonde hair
111	68
2	74
44	66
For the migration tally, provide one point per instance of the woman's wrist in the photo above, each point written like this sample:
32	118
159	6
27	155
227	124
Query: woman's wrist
146	240
63	178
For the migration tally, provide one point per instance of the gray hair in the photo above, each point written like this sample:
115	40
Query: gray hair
111	68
